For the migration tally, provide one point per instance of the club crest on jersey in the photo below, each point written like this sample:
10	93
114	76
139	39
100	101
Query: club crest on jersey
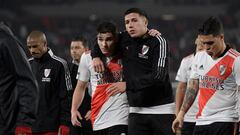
222	69
46	74
144	51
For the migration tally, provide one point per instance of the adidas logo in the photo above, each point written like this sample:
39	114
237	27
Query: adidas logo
201	67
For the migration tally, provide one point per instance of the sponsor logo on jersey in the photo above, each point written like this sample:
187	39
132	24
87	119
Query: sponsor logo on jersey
211	82
222	69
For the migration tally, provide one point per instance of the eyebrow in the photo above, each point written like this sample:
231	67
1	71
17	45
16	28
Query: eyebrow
208	42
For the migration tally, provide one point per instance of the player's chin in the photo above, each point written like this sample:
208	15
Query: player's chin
36	56
133	35
106	53
210	53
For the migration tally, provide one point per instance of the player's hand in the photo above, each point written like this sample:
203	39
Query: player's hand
64	130
23	130
178	122
88	115
98	65
75	117
153	32
115	88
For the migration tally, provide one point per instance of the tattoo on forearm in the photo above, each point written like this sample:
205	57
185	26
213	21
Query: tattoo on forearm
190	95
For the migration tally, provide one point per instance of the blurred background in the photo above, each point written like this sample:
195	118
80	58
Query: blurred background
177	20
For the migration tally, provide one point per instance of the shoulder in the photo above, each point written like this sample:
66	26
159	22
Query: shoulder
201	53
6	41
158	41
31	59
86	56
187	58
234	53
72	67
59	61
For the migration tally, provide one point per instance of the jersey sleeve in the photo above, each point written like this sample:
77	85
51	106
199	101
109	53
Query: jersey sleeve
194	72
236	70
83	69
182	72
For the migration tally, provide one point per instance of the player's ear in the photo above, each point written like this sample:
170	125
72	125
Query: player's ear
146	21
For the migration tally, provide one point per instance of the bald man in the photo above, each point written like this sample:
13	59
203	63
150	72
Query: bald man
54	81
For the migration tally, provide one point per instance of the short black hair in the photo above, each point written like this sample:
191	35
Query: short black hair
107	26
81	39
136	10
212	26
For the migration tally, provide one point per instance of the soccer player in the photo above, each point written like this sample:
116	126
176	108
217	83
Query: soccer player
145	67
109	108
18	87
77	48
54	82
216	75
182	78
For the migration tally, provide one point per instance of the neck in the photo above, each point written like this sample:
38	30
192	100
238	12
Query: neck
220	52
76	61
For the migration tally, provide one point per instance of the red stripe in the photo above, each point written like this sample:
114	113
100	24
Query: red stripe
100	95
99	98
114	65
234	52
207	93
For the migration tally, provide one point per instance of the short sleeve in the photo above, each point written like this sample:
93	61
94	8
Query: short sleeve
182	72
194	72
83	69
236	70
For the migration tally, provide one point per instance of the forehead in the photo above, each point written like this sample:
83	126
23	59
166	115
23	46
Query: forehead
206	38
77	43
105	35
131	15
31	40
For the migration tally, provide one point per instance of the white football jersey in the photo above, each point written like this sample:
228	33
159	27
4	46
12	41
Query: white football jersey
183	75
218	82
106	110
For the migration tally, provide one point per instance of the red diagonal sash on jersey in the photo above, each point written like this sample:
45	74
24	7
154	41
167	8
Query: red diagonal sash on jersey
99	98
100	95
114	65
206	93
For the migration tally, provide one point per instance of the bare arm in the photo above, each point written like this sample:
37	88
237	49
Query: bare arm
78	96
180	92
190	95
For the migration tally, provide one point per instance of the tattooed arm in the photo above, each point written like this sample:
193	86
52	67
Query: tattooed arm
190	95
